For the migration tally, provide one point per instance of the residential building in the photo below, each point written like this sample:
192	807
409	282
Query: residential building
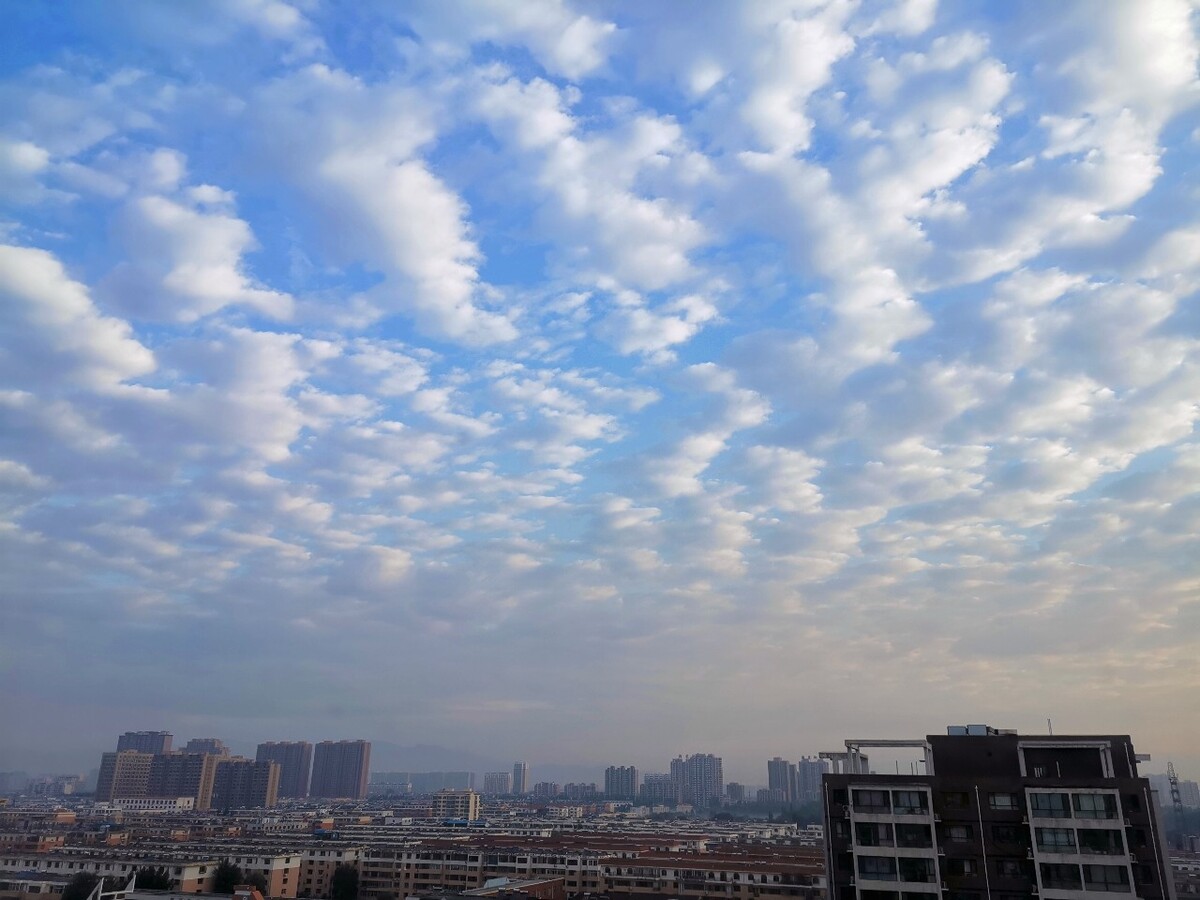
340	769
295	766
735	792
145	741
245	784
660	789
182	774
155	804
520	780
996	815
456	805
544	790
809	771
497	783
206	745
124	773
781	778
621	782
699	779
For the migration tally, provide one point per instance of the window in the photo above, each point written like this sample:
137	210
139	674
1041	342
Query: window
880	895
1061	877
956	800
1055	840
916	870
841	828
1106	841
838	795
962	866
873	834
1050	806
962	895
871	801
1095	806
1007	834
908	835
959	831
1004	801
910	803
877	868
1009	868
1106	878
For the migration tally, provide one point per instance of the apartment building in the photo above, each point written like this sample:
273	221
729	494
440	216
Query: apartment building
995	816
456	805
145	741
621	782
497	784
125	773
245	784
295	765
340	769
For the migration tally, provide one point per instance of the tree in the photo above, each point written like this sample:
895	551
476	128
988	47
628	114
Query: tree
226	877
256	880
80	886
344	883
153	878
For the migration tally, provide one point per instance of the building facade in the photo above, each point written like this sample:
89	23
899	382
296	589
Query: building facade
996	816
497	783
295	766
781	778
245	784
456	805
809	772
340	769
125	773
206	745
621	782
520	779
145	741
182	774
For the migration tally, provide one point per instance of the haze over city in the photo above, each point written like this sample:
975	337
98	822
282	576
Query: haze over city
591	383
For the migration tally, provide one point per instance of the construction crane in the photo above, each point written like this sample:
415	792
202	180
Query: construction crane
1176	797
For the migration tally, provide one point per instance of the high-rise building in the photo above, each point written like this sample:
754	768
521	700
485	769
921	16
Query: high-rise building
996	814
546	790
245	783
145	741
497	783
456	805
340	769
809	771
214	746
781	777
621	782
295	765
123	774
520	782
698	778
660	789
183	774
735	792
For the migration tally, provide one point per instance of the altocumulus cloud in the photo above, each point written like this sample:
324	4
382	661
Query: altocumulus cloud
774	370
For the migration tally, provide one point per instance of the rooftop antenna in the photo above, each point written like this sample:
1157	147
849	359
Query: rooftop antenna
1050	726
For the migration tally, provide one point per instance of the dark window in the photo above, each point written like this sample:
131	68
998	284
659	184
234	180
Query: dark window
1055	840
871	802
1094	806
880	895
1101	840
1145	874
961	866
1004	801
1061	877
1132	801
1008	834
841	828
1106	878
1050	806
873	834
877	868
838	795
919	870
962	895
960	831
956	800
910	803
912	835
1010	868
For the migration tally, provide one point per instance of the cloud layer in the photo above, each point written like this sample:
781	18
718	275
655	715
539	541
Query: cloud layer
744	378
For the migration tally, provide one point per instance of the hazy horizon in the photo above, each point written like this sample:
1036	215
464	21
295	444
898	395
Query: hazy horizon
598	382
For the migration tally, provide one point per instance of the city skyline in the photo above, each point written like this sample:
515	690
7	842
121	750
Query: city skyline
598	382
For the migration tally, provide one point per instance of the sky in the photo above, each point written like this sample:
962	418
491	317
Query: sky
597	382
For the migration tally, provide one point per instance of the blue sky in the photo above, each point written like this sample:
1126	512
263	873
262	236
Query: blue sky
597	382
